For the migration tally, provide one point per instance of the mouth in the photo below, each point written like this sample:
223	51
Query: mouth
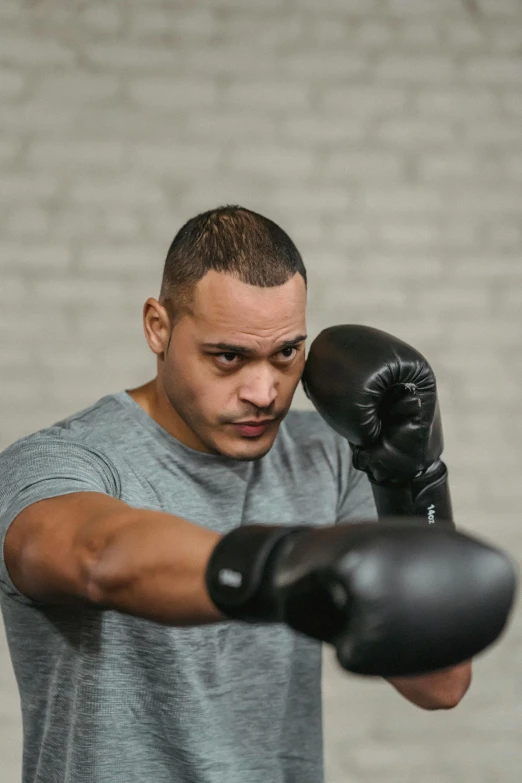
253	428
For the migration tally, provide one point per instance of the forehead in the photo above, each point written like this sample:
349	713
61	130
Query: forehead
221	302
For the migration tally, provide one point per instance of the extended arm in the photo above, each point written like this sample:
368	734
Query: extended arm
440	690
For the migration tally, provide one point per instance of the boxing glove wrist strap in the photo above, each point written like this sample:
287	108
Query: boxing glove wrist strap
427	496
239	572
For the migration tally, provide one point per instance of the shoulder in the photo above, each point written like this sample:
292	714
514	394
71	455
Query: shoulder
306	426
80	442
307	435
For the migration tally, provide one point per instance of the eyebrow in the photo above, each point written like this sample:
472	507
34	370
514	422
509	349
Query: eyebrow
229	348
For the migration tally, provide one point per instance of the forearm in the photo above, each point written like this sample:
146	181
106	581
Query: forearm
437	690
154	567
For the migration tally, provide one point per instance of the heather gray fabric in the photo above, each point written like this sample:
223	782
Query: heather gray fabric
109	698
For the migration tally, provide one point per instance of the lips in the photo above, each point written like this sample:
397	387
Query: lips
251	429
253	423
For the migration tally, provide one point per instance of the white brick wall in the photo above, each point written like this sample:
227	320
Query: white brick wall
386	137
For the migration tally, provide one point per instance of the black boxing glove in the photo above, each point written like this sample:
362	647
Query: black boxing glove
395	600
380	394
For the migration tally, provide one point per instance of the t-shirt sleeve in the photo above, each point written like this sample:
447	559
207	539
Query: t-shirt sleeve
356	502
41	467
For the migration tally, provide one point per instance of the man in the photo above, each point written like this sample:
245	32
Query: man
126	669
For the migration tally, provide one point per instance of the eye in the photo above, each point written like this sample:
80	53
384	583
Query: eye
229	357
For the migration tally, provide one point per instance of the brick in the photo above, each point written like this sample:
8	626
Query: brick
505	39
284	95
11	83
197	23
25	186
461	235
488	201
28	221
343	300
409	234
473	335
227	60
346	7
412	200
444	300
419	7
9	149
512	166
14	287
505	235
231	125
69	222
207	193
122	121
493	70
505	8
120	259
329	64
102	19
349	233
10	9
167	93
96	329
106	191
328	31
512	102
372	35
73	291
364	166
27	51
512	299
119	224
162	224
35	257
261	30
466	34
17	393
311	130
415	131
271	161
76	154
24	118
232	6
492	132
449	166
331	199
420	69
131	58
457	102
485	268
423	34
370	756
361	100
179	160
78	87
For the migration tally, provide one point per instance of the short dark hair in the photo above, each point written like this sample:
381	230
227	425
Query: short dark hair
228	239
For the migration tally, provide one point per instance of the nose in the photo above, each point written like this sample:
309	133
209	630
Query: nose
260	388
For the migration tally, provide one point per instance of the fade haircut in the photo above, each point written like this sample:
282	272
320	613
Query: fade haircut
229	239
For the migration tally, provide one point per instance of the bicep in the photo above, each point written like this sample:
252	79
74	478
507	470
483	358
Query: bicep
51	545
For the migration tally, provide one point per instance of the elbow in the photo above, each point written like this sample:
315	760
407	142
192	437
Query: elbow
448	694
446	701
103	582
442	690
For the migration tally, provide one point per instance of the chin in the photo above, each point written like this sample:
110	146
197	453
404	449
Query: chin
247	450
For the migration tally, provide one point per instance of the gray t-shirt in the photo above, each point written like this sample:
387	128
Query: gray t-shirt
111	698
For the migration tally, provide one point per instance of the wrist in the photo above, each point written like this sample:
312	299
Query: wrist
240	573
